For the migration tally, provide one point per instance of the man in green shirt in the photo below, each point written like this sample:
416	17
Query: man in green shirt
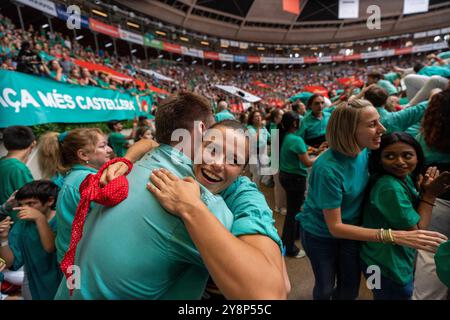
222	112
119	142
19	141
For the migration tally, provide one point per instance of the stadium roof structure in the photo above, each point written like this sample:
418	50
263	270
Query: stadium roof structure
264	21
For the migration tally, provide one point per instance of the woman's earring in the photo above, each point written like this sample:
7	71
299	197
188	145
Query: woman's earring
87	161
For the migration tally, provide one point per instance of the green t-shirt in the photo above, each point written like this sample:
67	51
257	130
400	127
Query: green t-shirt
442	259
389	87
432	156
303	96
63	76
312	127
336	181
118	143
14	174
391	77
403	119
42	268
444	55
137	250
429	71
293	146
224	115
66	206
392	205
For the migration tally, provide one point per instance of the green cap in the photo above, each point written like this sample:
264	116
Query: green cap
442	259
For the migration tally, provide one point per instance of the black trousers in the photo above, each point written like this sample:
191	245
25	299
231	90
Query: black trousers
295	187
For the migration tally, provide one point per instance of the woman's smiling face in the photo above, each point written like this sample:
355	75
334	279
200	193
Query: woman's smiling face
225	151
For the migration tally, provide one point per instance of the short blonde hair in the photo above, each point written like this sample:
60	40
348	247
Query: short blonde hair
342	126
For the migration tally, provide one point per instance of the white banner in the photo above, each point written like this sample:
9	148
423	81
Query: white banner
348	9
226	57
415	6
234	44
281	60
192	52
243	45
419	35
270	60
324	59
224	43
41	5
131	36
239	93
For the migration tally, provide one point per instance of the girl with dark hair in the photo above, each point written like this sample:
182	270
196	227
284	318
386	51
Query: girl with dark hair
435	141
294	161
393	202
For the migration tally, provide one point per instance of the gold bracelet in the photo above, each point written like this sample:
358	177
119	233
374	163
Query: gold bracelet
391	236
381	235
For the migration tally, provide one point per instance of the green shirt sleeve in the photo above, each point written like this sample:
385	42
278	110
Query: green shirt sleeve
393	202
406	118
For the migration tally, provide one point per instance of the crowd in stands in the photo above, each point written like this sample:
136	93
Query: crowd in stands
363	179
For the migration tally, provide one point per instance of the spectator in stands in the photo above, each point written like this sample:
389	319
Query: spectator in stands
55	71
78	153
19	141
143	132
28	60
75	77
395	203
118	141
32	240
299	108
332	212
435	141
66	63
86	78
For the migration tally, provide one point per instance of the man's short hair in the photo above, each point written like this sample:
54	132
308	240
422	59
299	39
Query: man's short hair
180	111
376	75
377	96
39	189
18	137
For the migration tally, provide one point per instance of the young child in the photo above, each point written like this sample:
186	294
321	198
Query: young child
19	141
395	203
119	142
32	241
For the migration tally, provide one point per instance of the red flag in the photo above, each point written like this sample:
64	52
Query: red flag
292	6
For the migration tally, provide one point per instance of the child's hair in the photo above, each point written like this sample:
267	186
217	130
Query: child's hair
288	121
375	166
111	124
58	151
39	189
140	132
18	137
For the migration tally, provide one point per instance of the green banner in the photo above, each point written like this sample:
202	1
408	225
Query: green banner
153	43
30	100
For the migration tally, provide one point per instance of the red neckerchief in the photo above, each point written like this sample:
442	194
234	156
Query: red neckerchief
110	195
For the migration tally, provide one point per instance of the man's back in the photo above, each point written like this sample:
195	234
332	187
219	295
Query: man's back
137	250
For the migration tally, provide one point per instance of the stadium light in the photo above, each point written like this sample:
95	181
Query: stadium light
437	38
79	37
296	49
109	44
290	66
99	13
161	33
44	26
134	25
250	66
160	56
296	55
224	65
209	64
264	66
238	65
261	48
134	51
277	66
178	59
184	39
205	43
